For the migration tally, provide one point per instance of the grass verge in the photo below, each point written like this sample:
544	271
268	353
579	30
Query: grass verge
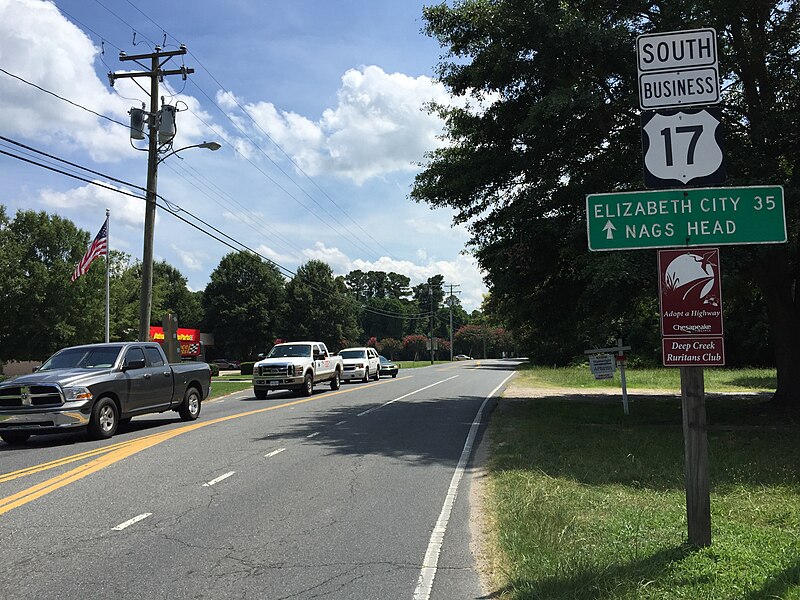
220	387
585	503
716	380
415	364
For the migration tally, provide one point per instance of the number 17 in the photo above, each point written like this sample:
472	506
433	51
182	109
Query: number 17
695	130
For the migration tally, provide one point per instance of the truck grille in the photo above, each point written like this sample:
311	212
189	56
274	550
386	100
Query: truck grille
276	371
35	395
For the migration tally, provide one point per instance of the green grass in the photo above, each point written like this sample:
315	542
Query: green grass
414	364
588	504
716	379
220	387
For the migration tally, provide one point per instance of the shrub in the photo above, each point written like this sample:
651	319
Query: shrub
214	369
246	368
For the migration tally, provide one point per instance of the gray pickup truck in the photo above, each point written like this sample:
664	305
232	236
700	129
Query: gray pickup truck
97	387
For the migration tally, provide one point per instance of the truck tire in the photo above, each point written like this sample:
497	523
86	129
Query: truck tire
261	394
189	409
308	385
366	375
336	382
14	437
105	419
378	374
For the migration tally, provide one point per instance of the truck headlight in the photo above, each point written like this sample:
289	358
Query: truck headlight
72	394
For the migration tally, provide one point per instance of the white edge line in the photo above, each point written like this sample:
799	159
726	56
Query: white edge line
130	522
431	561
274	452
310	435
218	479
374	408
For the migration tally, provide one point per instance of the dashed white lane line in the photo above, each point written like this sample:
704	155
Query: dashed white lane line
218	479
130	522
341	422
310	435
361	414
274	452
431	561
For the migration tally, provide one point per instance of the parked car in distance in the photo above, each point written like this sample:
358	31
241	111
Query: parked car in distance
462	357
388	367
225	364
97	387
360	363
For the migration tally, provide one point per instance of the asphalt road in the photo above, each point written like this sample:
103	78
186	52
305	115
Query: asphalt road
354	494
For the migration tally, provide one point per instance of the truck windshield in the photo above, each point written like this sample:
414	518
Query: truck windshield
353	354
83	358
290	350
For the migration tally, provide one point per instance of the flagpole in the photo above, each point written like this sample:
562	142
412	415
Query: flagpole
108	271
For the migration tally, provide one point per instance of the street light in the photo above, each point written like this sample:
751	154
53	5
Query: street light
213	146
149	227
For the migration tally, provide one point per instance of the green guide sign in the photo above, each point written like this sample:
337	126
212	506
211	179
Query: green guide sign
686	217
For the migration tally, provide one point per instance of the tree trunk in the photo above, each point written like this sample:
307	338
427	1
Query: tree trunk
776	283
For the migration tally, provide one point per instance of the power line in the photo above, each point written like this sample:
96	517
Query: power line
266	134
174	210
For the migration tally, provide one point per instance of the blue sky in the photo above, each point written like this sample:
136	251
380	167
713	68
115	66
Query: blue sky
319	106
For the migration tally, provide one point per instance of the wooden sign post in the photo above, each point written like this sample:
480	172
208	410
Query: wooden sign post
695	441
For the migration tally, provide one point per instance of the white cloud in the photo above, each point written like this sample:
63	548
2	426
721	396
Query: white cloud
39	45
192	260
89	199
379	126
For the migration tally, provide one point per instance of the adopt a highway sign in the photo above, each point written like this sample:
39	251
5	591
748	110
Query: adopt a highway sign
685	217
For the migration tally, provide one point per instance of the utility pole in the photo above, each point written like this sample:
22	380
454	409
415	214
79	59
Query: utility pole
155	73
451	301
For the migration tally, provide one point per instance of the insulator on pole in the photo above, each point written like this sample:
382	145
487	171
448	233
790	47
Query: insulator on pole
137	123
166	124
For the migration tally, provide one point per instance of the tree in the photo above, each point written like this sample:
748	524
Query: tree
391	346
319	308
553	116
243	302
415	345
42	310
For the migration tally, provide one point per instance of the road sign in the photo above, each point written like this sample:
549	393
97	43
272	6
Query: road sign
690	292
678	68
696	351
687	217
682	147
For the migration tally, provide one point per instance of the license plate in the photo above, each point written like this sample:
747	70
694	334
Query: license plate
273	383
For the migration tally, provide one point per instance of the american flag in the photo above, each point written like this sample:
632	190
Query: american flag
99	247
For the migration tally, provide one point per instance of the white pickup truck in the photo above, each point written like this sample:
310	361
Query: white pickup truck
296	366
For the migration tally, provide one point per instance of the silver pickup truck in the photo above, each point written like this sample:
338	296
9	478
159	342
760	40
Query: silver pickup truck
97	387
296	366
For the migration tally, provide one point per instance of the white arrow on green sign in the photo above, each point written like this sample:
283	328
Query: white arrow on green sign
686	217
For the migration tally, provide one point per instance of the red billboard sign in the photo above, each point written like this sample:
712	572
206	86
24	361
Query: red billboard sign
690	292
695	351
189	339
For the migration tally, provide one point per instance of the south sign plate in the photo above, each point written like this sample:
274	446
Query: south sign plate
686	217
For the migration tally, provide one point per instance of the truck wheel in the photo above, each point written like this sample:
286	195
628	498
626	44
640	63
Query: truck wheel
14	437
378	374
336	382
190	407
261	394
366	375
308	385
105	419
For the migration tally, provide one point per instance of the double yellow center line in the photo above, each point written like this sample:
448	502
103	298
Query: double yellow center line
108	455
